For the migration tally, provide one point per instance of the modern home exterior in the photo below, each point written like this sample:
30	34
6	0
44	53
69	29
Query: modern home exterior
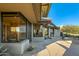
21	23
16	23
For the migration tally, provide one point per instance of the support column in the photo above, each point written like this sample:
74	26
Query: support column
29	31
43	31
53	32
49	32
0	27
32	31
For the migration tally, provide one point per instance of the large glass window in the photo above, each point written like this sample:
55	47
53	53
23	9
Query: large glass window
13	27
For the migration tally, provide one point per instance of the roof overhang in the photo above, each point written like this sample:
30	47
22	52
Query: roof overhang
29	10
45	9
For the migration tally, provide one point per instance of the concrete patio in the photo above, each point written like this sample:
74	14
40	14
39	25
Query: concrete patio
39	45
54	47
67	47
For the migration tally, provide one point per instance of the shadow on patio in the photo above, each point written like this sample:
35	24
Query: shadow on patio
39	45
66	47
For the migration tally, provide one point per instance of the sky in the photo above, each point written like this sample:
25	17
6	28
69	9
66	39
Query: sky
64	13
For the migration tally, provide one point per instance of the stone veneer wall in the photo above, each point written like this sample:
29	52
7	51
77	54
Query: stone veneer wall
57	33
17	48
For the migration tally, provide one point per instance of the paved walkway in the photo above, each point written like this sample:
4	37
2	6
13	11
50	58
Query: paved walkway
68	47
54	47
39	45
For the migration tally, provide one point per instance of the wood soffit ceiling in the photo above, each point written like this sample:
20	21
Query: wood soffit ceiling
44	9
29	10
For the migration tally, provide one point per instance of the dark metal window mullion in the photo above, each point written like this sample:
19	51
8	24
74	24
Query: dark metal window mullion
2	27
